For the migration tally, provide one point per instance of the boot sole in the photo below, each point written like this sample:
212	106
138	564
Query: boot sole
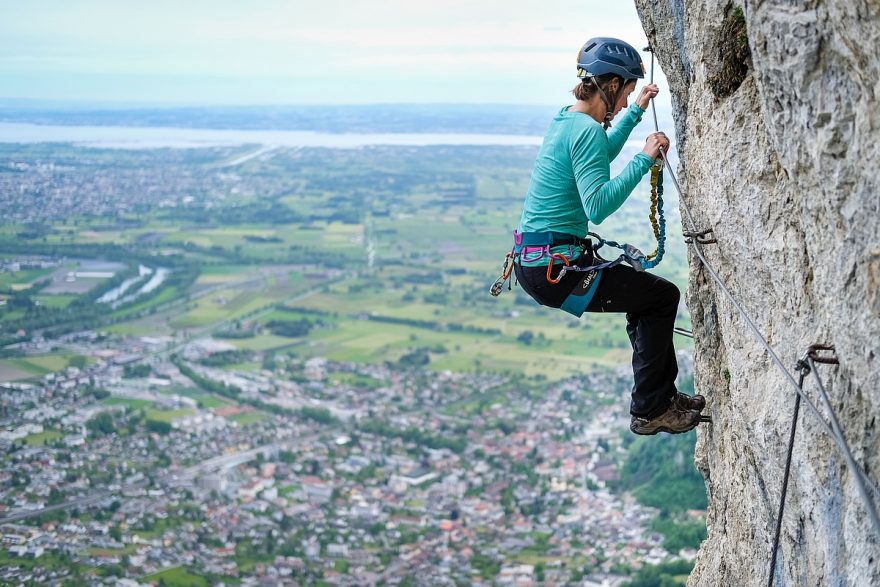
666	430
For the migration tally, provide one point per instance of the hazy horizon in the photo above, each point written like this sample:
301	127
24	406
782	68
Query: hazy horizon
276	53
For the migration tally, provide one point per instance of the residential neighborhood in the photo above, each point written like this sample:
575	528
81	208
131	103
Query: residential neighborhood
312	472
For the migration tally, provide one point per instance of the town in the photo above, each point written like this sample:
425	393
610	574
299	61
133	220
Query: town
350	474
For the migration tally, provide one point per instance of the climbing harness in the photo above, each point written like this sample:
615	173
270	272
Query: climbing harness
534	246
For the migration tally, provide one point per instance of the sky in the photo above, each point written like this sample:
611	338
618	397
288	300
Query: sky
302	51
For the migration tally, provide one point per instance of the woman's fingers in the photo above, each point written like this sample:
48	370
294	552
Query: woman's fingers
656	142
646	94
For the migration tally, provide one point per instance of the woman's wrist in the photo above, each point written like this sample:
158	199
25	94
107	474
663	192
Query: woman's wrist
646	159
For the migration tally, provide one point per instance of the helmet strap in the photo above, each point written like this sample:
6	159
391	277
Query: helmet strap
609	106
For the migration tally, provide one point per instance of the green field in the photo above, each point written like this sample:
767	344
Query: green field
247	367
176	577
213	401
127	549
135	328
21	279
168	415
561	341
265	342
42	438
438	221
45	363
56	301
355	380
32	367
10	371
132	403
166	295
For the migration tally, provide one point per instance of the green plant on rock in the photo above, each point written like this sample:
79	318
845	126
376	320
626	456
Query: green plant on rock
733	57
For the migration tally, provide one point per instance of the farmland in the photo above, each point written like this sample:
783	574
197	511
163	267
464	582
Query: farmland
383	250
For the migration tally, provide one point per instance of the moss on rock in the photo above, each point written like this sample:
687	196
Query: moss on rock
734	56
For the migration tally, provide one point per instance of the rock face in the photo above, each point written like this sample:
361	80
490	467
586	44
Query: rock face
779	137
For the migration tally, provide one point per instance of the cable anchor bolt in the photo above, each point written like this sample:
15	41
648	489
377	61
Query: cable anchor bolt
822	353
703	237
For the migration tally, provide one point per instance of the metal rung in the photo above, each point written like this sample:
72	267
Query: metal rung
683	332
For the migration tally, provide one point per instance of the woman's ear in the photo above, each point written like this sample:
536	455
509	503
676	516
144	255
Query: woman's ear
614	85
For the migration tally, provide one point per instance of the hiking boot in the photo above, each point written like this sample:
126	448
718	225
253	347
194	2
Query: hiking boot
673	421
688	402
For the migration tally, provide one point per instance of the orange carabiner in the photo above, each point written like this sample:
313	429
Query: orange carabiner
507	267
550	267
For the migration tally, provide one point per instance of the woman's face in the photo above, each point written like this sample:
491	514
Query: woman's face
623	102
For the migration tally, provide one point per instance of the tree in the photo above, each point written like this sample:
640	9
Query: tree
158	427
539	572
416	358
56	496
662	575
658	474
113	571
101	424
526	337
77	361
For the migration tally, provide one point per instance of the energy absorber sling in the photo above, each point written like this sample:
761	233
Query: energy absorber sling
534	246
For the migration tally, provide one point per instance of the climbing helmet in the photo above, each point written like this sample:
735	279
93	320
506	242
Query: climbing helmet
604	55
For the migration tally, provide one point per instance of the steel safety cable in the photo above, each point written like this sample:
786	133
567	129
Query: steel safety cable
839	440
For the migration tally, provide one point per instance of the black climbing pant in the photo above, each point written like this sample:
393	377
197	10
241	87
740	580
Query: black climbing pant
650	304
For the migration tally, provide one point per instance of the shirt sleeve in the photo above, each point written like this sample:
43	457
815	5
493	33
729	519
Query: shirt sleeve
620	132
600	194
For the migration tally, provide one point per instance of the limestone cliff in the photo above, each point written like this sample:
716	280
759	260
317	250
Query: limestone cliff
779	136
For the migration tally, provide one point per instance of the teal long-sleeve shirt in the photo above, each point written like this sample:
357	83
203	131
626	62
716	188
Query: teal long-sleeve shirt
571	184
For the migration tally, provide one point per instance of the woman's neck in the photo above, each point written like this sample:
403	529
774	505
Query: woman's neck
594	108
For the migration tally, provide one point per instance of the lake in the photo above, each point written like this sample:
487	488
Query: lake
147	137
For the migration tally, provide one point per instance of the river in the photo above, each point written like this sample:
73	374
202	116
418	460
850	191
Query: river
114	296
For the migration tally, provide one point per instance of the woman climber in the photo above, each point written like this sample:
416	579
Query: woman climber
570	186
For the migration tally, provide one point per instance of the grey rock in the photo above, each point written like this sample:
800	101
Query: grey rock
785	169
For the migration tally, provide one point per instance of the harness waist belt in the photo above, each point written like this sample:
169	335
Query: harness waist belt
545	239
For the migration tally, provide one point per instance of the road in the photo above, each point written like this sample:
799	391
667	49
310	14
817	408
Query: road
249	156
